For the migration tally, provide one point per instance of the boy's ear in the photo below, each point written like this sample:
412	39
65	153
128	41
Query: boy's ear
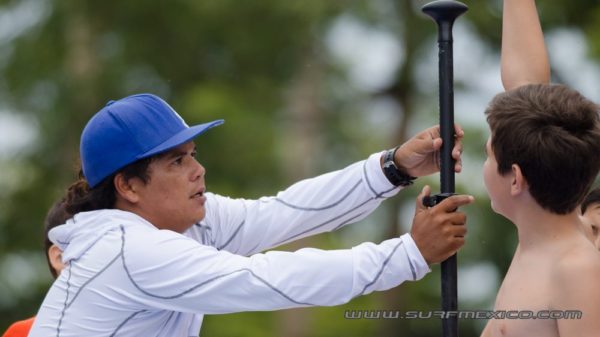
518	183
126	188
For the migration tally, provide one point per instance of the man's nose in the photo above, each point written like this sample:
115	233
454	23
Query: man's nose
199	170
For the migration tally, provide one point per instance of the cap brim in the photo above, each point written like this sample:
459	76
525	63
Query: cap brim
181	137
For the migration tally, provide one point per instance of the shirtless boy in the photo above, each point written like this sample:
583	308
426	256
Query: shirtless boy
542	157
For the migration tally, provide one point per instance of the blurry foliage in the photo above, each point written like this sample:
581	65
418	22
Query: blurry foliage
234	60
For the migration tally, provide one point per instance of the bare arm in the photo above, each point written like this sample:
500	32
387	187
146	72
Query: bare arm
524	58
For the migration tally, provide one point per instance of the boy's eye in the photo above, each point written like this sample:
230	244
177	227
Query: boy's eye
178	161
595	229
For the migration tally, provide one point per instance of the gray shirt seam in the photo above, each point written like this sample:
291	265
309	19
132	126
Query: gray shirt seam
201	283
385	262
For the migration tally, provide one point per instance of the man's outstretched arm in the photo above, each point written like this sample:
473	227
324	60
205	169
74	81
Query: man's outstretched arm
321	204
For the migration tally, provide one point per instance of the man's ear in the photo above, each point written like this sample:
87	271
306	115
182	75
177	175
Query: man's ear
518	184
126	188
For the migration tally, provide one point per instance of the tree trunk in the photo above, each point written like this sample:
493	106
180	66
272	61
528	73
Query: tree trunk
301	143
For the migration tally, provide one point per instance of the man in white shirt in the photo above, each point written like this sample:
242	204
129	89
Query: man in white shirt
149	251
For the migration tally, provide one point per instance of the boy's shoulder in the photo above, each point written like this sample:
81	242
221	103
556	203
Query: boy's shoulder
577	259
575	278
576	272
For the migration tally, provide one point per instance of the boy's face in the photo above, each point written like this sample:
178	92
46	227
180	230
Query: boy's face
591	222
497	186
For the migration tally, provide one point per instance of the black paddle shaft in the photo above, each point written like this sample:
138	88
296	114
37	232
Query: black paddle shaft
445	12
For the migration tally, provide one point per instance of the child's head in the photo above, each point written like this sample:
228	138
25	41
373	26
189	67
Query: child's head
551	134
590	213
57	215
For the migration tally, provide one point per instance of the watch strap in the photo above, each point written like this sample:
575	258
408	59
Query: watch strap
395	175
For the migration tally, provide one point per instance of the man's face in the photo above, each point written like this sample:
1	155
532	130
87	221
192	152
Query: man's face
173	198
497	186
591	222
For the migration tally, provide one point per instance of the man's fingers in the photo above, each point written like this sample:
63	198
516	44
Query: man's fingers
458	221
450	204
425	146
456	156
461	232
457	150
439	232
458	166
434	131
458	131
424	193
458	243
436	144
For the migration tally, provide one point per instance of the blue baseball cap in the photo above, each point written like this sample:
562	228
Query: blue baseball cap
130	129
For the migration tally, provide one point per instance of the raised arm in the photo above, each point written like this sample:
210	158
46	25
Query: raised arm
524	58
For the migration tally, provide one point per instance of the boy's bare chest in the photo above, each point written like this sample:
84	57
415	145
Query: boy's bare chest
523	298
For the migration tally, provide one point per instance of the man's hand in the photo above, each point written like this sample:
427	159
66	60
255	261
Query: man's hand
439	231
420	155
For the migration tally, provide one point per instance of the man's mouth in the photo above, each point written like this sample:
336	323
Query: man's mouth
198	194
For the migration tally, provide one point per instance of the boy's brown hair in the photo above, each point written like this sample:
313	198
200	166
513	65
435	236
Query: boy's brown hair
553	134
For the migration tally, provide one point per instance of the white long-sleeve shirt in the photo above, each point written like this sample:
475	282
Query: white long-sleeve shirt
124	277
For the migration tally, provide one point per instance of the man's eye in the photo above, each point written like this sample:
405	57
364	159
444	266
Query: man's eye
595	229
178	161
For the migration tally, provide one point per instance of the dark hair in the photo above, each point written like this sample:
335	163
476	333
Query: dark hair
82	198
553	134
592	198
57	215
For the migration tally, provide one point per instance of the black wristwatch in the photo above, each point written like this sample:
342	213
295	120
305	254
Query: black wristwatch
396	176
